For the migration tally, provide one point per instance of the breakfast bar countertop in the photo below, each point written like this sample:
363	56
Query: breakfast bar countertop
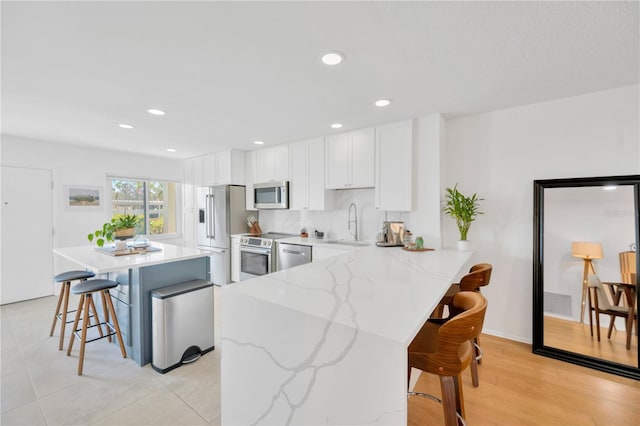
99	262
326	342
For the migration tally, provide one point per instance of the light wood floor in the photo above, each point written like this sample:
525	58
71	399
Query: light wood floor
520	388
575	337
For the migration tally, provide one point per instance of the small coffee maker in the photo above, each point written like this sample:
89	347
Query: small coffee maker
392	234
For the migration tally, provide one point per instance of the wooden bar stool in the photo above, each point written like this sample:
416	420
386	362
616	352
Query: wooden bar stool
479	276
86	290
446	350
63	300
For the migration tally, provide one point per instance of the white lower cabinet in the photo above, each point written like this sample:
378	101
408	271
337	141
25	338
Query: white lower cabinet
235	259
394	171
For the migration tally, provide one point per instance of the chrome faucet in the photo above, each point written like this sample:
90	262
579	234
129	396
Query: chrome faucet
355	219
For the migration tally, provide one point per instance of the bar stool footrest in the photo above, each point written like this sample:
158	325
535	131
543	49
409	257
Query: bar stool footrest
109	334
70	312
435	398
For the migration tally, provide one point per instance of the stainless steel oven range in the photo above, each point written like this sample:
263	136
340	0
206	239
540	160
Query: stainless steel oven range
257	255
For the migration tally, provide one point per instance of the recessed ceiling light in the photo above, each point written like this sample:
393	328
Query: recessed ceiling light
336	125
125	126
383	102
332	58
155	111
609	187
171	150
258	142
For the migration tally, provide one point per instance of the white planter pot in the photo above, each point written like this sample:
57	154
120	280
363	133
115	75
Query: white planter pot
464	245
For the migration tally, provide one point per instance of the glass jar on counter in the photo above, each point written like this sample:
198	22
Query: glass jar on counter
408	238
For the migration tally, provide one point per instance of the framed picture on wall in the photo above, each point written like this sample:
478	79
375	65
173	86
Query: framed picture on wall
82	197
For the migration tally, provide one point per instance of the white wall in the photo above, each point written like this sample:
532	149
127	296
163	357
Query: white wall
499	154
74	165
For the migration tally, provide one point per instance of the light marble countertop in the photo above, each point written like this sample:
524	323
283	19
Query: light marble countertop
99	262
326	342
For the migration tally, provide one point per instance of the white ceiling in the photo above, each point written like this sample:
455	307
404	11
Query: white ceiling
228	73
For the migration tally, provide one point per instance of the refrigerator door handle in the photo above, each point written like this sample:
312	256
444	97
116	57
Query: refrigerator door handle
206	214
212	216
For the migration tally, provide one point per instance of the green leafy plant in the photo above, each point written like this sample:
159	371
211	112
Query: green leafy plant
108	230
127	221
462	208
105	234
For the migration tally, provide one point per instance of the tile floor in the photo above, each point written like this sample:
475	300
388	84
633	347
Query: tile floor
39	384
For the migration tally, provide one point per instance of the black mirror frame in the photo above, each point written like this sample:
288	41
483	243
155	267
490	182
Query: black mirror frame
538	264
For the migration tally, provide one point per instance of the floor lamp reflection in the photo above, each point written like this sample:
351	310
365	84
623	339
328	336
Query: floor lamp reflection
587	251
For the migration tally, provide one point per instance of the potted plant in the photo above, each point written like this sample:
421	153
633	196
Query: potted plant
125	225
464	210
119	227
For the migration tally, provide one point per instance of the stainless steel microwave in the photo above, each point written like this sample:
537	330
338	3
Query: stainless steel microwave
271	195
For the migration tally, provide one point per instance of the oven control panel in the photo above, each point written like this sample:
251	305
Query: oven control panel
256	242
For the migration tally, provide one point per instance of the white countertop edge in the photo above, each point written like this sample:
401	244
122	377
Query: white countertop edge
439	285
98	262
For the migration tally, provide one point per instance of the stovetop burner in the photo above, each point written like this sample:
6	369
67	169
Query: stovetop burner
276	235
263	240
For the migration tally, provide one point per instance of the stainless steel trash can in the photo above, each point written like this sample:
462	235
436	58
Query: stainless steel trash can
182	324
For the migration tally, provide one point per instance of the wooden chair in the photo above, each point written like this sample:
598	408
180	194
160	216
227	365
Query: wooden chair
446	350
600	304
479	276
628	267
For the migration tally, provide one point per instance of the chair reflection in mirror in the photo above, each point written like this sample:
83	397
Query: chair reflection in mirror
600	304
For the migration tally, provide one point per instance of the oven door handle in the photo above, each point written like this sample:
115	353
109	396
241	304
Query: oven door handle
301	253
254	250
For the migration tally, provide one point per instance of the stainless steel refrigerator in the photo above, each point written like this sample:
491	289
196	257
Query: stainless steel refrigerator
221	212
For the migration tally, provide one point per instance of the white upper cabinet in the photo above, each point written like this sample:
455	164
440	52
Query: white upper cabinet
394	154
307	187
272	164
349	160
221	168
249	175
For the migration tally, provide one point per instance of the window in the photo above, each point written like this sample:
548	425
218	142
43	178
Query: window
154	202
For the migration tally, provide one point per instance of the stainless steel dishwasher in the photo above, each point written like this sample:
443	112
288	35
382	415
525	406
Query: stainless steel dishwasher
290	255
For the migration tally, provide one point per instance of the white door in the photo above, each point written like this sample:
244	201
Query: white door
26	233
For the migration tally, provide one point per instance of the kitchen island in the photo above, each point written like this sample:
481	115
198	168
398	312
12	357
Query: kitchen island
138	275
326	342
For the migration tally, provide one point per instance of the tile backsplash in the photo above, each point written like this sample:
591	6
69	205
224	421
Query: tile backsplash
334	222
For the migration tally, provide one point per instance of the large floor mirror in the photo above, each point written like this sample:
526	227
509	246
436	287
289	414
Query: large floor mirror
586	234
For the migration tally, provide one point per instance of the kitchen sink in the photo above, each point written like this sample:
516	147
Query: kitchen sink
349	242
